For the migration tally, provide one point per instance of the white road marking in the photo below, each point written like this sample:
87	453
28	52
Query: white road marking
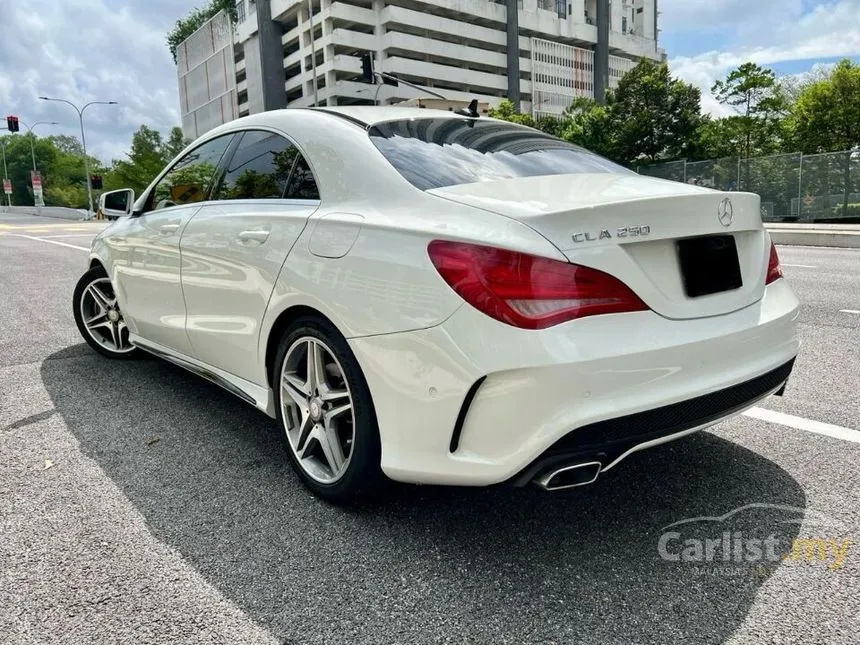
799	266
40	239
51	237
850	311
808	425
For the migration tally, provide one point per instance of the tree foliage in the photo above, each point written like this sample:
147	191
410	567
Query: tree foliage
826	115
653	117
754	93
650	116
59	159
186	26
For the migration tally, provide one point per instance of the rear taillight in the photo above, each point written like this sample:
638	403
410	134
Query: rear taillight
774	270
527	291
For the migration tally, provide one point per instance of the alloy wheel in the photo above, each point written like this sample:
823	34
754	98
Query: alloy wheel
102	317
317	409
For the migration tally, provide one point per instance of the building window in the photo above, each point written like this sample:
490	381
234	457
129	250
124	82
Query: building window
240	12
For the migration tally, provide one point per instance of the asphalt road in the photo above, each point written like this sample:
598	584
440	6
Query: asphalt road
140	504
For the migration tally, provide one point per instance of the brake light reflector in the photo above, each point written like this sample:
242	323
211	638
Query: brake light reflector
774	270
528	291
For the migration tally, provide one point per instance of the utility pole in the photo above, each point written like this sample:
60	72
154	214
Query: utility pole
36	202
513	25
5	173
80	112
601	53
313	52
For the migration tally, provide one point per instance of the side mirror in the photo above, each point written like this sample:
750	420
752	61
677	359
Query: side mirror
117	203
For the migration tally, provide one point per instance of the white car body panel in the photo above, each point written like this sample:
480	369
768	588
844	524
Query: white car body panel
210	300
542	385
593	203
143	260
232	254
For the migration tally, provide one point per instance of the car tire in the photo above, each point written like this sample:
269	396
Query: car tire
98	317
336	457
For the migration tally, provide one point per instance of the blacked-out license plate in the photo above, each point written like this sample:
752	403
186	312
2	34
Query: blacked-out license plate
709	265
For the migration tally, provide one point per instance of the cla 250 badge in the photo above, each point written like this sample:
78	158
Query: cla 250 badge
626	232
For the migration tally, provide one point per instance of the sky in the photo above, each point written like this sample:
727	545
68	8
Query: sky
114	50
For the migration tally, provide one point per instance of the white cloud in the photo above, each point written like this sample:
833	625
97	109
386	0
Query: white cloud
824	31
86	50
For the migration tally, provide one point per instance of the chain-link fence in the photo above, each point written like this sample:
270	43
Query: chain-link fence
793	187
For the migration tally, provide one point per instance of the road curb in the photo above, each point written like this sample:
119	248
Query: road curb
838	239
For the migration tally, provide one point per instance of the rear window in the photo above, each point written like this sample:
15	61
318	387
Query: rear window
435	153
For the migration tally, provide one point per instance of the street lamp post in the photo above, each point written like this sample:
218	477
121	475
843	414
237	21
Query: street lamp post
80	112
32	146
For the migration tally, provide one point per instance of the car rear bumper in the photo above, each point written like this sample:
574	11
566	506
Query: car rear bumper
476	402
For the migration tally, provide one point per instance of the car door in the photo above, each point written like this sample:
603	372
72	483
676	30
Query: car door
235	246
149	280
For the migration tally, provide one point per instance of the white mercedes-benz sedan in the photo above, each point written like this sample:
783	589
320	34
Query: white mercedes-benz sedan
437	298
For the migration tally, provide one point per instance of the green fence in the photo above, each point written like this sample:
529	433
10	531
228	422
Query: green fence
793	187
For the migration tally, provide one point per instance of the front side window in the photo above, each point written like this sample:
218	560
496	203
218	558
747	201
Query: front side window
191	178
435	153
260	168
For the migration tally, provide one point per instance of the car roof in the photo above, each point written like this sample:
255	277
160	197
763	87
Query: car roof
371	115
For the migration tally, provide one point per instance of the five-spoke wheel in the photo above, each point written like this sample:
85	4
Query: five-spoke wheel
324	405
99	318
317	409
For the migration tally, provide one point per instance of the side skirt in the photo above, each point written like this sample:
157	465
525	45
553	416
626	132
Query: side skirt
261	398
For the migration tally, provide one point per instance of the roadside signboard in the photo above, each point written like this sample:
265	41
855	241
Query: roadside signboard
7	186
38	196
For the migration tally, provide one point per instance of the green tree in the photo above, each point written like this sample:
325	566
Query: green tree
506	112
67	144
718	138
586	124
653	115
145	160
175	144
826	118
754	93
186	26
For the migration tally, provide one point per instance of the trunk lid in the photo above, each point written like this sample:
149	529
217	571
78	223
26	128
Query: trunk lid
673	244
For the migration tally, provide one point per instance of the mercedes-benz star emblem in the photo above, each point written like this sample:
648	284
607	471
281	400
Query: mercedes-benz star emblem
726	212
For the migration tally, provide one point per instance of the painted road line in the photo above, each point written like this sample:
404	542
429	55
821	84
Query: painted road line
808	425
53	237
39	239
850	311
799	266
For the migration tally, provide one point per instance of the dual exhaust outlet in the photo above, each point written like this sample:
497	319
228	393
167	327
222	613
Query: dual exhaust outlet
569	476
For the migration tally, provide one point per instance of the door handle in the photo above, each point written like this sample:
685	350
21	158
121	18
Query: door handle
254	236
166	229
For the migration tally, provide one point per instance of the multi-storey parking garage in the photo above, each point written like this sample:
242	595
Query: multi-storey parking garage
290	56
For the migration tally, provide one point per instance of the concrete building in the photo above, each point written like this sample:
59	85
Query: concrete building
457	48
206	72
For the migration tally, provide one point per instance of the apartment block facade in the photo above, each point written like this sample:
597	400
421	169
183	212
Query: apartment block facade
298	53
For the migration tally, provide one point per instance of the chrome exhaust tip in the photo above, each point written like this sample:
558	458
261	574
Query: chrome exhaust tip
570	476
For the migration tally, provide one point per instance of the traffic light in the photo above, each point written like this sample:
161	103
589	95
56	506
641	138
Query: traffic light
12	123
367	68
96	182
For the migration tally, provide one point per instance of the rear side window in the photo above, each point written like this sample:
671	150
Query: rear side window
302	184
435	153
259	169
